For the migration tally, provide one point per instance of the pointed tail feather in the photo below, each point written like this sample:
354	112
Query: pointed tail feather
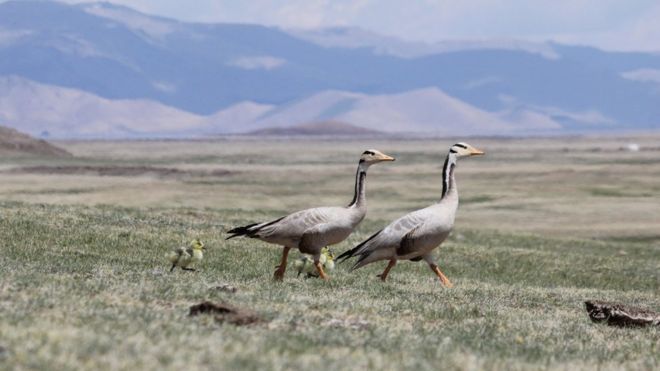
250	230
240	231
361	260
348	254
354	251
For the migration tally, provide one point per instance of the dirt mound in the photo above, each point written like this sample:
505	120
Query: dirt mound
226	313
15	143
163	172
317	128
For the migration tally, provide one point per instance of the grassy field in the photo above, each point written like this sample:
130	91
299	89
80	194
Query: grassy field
544	224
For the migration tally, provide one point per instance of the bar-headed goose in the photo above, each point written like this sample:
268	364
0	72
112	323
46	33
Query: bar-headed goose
415	235
313	229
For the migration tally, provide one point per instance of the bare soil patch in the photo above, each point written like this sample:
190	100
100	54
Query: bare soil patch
164	172
226	313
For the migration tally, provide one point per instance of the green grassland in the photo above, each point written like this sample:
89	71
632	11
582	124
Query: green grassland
545	225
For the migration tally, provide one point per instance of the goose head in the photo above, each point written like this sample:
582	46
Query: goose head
464	150
374	156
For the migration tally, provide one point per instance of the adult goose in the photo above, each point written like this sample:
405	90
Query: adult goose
415	235
313	229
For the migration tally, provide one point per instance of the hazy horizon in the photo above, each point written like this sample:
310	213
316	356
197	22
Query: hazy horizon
609	25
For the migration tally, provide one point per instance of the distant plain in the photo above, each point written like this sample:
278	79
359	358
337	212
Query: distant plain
544	224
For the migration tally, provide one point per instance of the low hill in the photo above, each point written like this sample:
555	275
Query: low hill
15	143
428	110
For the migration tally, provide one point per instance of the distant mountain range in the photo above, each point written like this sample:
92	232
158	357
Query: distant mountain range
101	70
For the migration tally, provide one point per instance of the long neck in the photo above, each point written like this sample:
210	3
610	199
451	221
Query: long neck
359	197
448	182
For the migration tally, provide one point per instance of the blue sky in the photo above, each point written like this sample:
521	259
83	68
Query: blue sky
609	24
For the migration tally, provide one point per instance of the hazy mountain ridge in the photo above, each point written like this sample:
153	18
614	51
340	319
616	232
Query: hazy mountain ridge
59	112
355	38
176	78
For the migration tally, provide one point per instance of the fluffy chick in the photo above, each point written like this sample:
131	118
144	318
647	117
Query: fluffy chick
185	256
305	264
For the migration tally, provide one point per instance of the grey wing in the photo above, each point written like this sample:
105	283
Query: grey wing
394	233
407	244
324	234
294	225
315	238
421	239
384	244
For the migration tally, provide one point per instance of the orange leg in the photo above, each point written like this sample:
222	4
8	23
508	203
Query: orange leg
319	268
383	276
279	272
445	281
